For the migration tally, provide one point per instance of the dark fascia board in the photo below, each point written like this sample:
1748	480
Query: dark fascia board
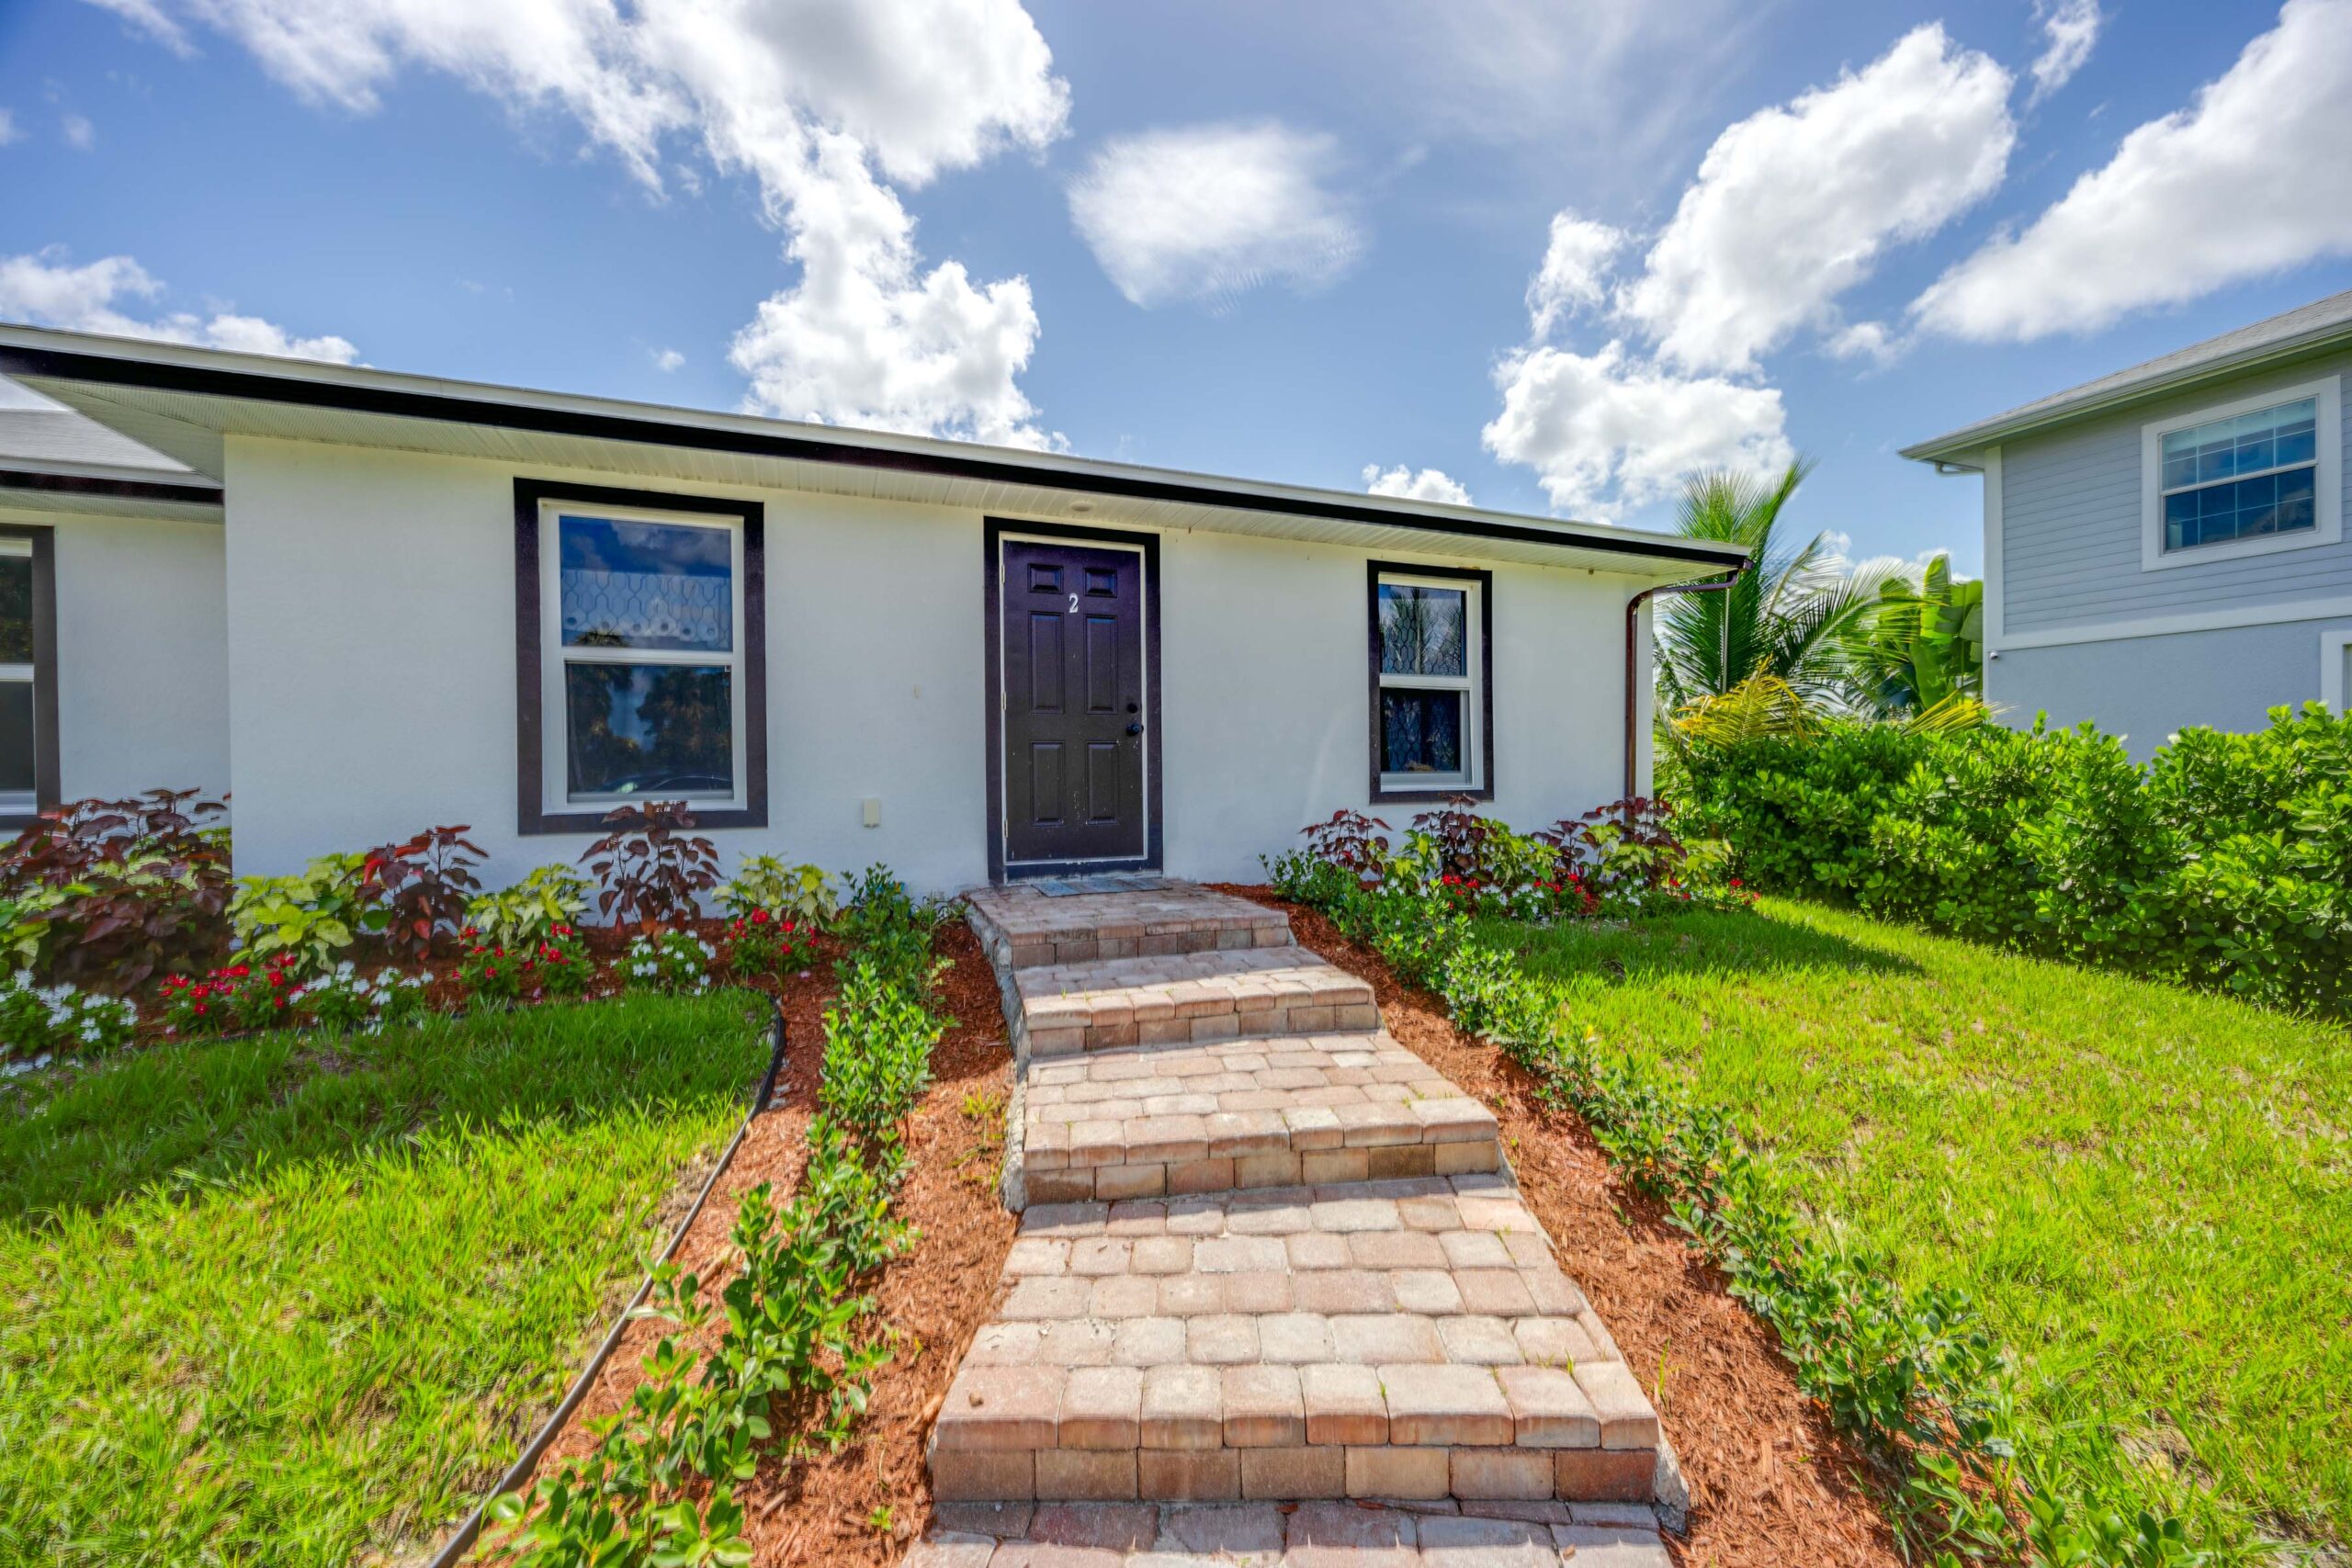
121	489
1962	448
214	382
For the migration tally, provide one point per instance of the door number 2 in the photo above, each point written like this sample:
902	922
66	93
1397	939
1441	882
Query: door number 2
1073	605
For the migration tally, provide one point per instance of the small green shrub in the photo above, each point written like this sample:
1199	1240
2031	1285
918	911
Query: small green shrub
311	916
528	912
677	961
60	1020
803	894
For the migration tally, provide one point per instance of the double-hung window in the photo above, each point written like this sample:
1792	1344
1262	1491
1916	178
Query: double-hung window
1431	655
2247	479
648	679
28	689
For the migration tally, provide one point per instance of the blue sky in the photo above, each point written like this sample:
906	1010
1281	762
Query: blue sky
1555	251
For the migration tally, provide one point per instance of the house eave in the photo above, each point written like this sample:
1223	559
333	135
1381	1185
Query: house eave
204	389
1964	447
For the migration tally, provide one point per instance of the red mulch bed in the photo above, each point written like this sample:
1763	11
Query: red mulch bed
1772	1486
820	1511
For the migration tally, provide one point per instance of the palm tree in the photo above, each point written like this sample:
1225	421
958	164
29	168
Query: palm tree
1786	617
1922	642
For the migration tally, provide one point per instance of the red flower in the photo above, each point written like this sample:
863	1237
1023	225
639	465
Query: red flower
278	1001
759	916
241	971
563	930
201	1008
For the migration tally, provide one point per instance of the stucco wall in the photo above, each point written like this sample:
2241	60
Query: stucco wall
2146	688
142	683
371	662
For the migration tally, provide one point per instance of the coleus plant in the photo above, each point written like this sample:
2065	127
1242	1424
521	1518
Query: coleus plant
652	868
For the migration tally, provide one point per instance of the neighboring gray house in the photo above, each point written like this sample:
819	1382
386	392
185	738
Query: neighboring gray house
2165	547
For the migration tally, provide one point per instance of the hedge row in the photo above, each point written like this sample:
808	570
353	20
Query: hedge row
1917	1380
2226	860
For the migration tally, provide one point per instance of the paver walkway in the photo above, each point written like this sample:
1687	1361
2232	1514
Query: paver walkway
1267	1256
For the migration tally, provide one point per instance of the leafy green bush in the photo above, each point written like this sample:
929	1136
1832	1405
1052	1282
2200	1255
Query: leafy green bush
2227	860
528	912
803	893
312	915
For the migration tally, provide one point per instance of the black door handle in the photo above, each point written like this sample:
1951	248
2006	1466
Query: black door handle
1135	729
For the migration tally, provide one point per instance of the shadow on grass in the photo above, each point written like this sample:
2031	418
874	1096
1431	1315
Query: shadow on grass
1705	944
202	1113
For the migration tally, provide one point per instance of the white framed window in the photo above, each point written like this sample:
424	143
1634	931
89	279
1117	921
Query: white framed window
2245	478
644	678
19	750
1431	665
2334	667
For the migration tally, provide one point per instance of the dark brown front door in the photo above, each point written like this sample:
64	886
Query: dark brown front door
1074	719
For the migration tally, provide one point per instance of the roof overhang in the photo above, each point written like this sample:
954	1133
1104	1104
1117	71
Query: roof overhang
183	401
1964	447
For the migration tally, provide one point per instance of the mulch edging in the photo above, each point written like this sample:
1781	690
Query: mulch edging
1772	1485
820	1510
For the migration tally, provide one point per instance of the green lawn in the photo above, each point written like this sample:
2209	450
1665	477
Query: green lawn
288	1301
2148	1191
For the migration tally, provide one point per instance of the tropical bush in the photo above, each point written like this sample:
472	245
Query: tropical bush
529	911
652	868
761	942
1616	859
2226	860
417	889
108	893
802	893
312	915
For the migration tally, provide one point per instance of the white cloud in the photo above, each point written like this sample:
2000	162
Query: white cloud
8	131
47	290
79	133
1575	263
1206	211
820	101
1794	205
668	359
2250	179
1611	429
2069	31
1430	484
1862	340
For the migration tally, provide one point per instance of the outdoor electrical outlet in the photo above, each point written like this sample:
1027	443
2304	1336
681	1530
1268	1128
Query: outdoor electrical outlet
873	812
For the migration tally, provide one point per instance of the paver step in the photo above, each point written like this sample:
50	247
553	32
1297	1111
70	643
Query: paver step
1313	1535
1398	1339
1106	1004
1027	925
1173	1119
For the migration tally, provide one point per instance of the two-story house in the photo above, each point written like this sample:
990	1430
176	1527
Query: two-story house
2165	547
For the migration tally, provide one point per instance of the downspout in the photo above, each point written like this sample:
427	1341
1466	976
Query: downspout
1633	635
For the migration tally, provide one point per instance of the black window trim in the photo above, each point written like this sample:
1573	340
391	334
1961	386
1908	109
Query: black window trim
532	818
1485	582
48	789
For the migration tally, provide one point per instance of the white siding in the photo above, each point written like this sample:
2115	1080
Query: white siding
143	678
2072	527
371	662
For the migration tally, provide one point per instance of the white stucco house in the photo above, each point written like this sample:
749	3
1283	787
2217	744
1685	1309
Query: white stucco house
2165	547
364	603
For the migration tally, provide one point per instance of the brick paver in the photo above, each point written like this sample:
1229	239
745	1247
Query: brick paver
1227	1533
1266	1255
